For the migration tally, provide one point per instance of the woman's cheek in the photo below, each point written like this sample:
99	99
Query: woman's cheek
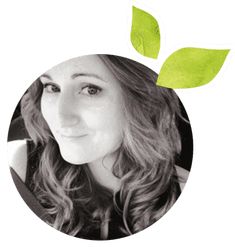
48	112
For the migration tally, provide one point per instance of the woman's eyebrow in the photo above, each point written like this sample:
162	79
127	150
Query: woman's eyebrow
75	75
87	75
46	76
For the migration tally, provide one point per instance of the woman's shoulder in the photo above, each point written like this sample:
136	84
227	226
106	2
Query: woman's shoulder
182	176
17	156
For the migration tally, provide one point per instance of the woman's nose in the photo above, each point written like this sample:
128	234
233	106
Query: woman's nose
68	114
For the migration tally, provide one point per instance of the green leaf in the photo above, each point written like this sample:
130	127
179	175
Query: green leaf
145	34
191	67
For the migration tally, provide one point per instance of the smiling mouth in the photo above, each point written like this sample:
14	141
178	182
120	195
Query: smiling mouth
72	138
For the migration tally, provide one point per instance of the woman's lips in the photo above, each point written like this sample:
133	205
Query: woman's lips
72	136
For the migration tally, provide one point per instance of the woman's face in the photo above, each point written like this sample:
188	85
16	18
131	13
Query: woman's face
82	105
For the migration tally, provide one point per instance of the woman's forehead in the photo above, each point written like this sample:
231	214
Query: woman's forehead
90	65
84	65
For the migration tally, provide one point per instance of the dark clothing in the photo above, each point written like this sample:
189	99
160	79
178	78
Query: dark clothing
29	198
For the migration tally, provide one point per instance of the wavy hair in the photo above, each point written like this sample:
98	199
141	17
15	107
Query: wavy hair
145	163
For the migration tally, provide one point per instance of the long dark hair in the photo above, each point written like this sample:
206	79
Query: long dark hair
145	163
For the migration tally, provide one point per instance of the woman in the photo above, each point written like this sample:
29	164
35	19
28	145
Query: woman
105	143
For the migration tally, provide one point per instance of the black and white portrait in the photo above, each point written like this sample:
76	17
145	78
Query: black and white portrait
99	151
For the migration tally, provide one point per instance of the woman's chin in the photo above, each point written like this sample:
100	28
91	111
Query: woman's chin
74	160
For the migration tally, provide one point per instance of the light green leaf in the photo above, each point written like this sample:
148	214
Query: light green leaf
145	34
191	67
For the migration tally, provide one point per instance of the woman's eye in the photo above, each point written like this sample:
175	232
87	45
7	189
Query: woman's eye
91	90
51	88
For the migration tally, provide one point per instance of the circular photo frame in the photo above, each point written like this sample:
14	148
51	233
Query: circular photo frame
99	151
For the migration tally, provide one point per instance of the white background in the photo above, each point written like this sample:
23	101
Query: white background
36	35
